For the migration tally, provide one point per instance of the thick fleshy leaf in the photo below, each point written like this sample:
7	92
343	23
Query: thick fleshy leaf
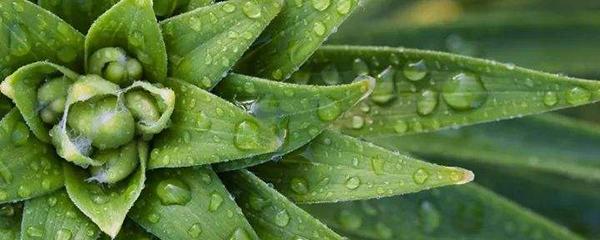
189	203
5	105
334	167
10	221
106	206
80	14
22	87
167	8
205	43
131	25
271	214
54	216
28	167
298	112
294	35
32	34
207	129
548	143
421	91
465	212
129	231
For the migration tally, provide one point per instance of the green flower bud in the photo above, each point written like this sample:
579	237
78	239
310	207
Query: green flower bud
48	116
51	97
114	65
118	163
142	106
103	121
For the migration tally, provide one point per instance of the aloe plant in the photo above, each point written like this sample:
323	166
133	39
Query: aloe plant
195	119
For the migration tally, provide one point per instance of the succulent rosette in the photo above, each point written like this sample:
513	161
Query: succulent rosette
125	127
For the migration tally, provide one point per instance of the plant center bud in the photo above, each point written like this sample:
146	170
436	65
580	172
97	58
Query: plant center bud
103	121
115	65
142	106
51	98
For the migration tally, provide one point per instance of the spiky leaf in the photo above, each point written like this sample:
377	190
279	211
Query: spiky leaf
205	43
189	203
207	129
54	216
335	167
298	112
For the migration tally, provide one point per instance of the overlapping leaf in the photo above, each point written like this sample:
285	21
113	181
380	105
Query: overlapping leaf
54	216
294	35
32	34
335	167
10	221
298	112
131	25
205	43
189	203
271	214
167	8
420	91
28	167
106	206
131	230
465	212
80	14
207	129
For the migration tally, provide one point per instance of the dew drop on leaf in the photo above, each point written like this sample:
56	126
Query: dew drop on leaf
256	202
321	4
195	230
344	7
251	9
240	234
415	71
299	185
3	195
420	176
352	183
35	232
229	7
246	136
52	201
282	218
550	98
330	75
173	192
328	110
358	122
578	95
427	102
377	165
24	191
215	202
385	89
153	218
63	234
360	67
319	28
18	41
464	91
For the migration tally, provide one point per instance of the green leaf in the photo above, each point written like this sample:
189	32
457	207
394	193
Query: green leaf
189	203
207	129
80	14
465	212
5	105
271	214
334	167
167	8
131	25
547	143
106	206
294	35
22	87
422	91
32	34
298	112
204	44
54	216
28	167
193	4
10	221
129	231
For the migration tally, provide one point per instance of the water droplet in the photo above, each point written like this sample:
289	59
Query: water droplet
578	95
196	25
328	110
247	136
420	176
63	234
5	174
550	98
24	192
299	185
20	134
349	220
377	165
400	127
3	195
319	28
415	71
330	75
100	198
427	102
352	183
360	67
153	218
52	201
282	218
429	217
46	184
173	192
7	210
277	74
344	7
385	89
464	91
240	234
383	231
358	122
67	54
195	230
228	7
251	9
321	4
257	203
215	202
35	232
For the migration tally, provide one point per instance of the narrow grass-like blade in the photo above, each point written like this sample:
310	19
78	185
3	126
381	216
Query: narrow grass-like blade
271	214
205	43
334	167
462	212
298	112
189	203
54	216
